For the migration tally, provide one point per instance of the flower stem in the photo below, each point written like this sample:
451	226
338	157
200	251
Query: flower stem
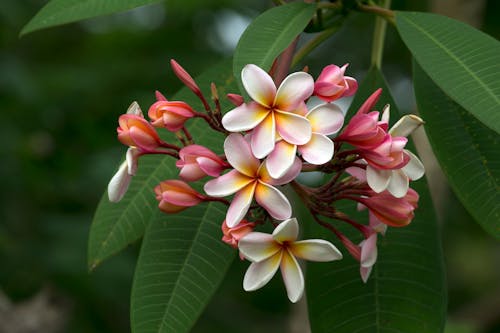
314	43
379	37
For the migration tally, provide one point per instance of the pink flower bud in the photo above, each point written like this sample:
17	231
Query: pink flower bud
236	99
232	236
171	115
135	131
395	212
159	96
184	76
175	196
197	161
332	84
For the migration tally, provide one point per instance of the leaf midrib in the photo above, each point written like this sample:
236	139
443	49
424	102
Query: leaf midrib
454	57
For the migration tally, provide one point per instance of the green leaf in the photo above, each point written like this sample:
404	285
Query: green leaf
116	225
57	12
269	35
405	292
467	151
181	264
463	61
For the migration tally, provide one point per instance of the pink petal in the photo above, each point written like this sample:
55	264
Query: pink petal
286	231
258	84
293	128
290	175
352	84
191	172
295	88
227	184
240	205
377	179
369	251
240	156
358	173
318	150
273	201
398	184
370	102
414	169
326	119
263	137
259	273
315	250
292	276
118	185
281	159
209	166
244	117
258	246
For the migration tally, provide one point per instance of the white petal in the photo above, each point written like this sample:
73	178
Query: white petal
227	184
135	109
132	158
414	169
292	276
287	230
239	205
273	201
315	250
294	89
239	155
118	185
398	184
263	137
369	251
318	150
377	179
406	125
244	117
293	128
365	273
290	175
258	84
259	273
257	246
326	118
281	159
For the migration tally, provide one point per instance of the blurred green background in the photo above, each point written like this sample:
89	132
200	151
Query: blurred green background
61	91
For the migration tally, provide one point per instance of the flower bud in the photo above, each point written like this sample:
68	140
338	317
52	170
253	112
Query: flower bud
232	236
236	99
184	76
171	115
175	196
197	162
332	84
135	131
395	212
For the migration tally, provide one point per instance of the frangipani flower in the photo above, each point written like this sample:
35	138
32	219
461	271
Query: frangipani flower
250	178
135	131
118	185
396	181
332	84
280	250
170	114
272	110
325	119
175	196
196	162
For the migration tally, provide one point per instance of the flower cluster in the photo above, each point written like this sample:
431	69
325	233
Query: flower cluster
269	141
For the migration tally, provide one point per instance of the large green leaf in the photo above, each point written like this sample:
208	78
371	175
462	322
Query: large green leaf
57	12
405	292
463	61
468	151
269	35
182	262
116	225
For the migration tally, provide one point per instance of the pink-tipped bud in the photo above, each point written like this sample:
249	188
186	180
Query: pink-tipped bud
235	99
197	162
332	84
170	115
363	131
395	212
159	96
135	131
232	236
175	195
184	76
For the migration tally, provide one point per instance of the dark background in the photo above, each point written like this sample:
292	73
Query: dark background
61	91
